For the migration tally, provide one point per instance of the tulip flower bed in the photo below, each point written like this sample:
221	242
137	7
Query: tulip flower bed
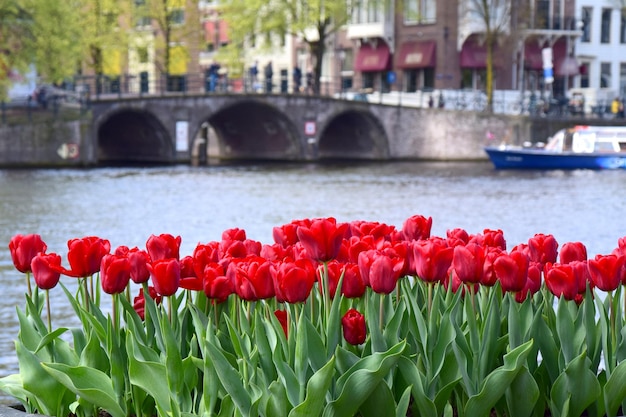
332	319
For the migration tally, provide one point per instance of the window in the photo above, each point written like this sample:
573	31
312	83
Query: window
586	19
420	11
369	11
605	74
177	16
622	28
419	79
584	75
605	35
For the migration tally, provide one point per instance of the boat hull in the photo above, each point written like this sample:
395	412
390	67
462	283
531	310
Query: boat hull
543	159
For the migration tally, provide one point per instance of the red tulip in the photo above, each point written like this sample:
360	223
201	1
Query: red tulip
494	239
205	254
583	277
163	246
121	251
285	235
606	271
252	278
468	262
45	268
165	275
353	285
431	259
379	271
454	283
139	260
457	237
572	251
281	315
139	302
234	234
621	252
353	324
561	280
188	278
322	239
543	248
216	285
293	281
114	273
355	246
512	270
85	255
417	227
334	269
533	282
489	273
24	248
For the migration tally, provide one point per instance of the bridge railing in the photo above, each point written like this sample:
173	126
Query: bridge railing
83	89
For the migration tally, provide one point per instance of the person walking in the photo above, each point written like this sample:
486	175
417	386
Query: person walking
615	107
297	79
253	73
269	73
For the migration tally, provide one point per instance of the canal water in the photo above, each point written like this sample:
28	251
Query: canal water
127	205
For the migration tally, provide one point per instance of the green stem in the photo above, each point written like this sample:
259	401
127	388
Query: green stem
30	291
48	310
430	297
380	311
114	311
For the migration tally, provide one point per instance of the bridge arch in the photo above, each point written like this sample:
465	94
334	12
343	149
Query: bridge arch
255	130
133	136
353	134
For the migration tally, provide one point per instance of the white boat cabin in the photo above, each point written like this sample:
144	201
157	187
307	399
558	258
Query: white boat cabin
589	139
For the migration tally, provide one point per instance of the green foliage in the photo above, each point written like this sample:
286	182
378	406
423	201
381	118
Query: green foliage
428	352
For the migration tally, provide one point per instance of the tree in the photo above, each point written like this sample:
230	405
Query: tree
313	21
493	21
103	39
16	36
57	31
178	29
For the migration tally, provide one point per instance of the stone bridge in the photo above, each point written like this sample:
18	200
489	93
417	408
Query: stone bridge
175	129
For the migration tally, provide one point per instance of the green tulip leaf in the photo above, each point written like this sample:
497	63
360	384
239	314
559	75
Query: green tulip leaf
316	390
90	384
522	394
276	400
358	383
315	346
231	379
412	375
288	378
577	386
48	392
497	382
403	404
379	403
149	376
615	389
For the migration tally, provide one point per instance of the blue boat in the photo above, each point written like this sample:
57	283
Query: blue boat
579	147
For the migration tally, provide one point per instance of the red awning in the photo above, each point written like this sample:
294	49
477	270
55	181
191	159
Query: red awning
474	55
532	56
372	59
564	65
417	55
